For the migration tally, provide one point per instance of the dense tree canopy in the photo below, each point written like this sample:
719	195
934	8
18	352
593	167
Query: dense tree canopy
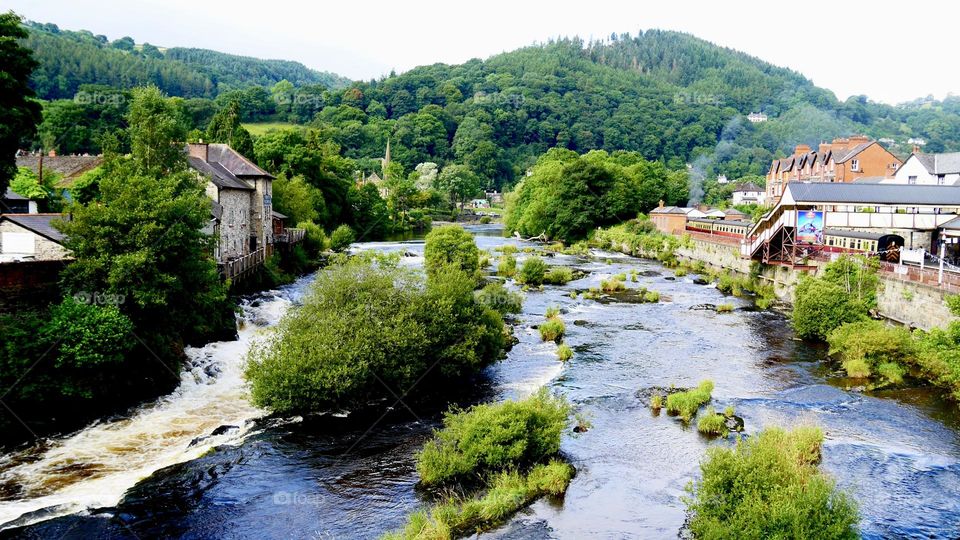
567	195
19	114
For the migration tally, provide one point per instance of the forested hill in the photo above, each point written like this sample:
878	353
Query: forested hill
70	59
669	96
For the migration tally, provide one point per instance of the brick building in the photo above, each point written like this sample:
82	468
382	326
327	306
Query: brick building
843	160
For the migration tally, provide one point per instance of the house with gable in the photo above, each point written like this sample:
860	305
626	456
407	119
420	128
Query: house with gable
242	212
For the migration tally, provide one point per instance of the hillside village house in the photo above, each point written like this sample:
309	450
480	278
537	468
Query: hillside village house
31	237
843	160
929	169
749	193
242	213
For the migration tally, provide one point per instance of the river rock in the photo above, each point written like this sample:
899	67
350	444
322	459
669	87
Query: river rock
223	430
670	278
704	307
700	281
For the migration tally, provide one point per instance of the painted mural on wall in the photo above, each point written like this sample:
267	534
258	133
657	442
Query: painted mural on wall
810	227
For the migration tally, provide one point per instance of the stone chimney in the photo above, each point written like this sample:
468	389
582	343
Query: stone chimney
661	204
859	139
198	150
824	148
916	149
52	153
801	149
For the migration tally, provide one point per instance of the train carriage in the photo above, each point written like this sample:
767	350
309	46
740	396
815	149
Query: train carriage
719	227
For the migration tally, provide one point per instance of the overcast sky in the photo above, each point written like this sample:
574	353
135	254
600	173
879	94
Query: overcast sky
891	53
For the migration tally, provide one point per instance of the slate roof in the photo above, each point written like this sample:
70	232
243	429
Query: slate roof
11	196
218	174
733	212
68	167
234	162
216	210
846	155
41	224
953	224
671	210
278	215
853	234
940	163
749	186
891	194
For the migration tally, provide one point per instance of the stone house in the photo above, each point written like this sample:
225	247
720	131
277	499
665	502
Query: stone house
31	237
242	199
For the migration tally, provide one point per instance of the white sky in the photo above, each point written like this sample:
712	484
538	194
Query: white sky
892	52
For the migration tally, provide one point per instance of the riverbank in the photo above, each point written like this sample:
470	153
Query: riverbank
895	452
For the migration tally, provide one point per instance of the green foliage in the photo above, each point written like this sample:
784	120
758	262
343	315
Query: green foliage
499	298
362	325
451	246
20	113
27	184
857	277
552	329
656	402
490	437
725	308
564	352
296	199
533	271
651	297
685	404
507	267
315	239
566	195
142	240
864	346
89	335
508	492
711	423
820	306
614	284
341	238
558	275
70	60
769	486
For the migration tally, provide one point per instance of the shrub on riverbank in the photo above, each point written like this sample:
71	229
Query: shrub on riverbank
342	237
564	352
639	238
552	329
685	404
532	272
845	293
769	486
451	246
363	326
558	275
712	423
820	307
870	348
507	494
496	296
494	436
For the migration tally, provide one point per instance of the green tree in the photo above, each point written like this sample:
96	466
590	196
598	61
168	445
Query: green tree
297	199
459	183
450	246
156	134
141	240
331	355
225	127
19	114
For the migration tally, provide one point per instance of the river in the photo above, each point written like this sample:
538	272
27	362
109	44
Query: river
203	463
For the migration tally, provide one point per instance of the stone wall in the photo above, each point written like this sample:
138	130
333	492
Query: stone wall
235	223
904	302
